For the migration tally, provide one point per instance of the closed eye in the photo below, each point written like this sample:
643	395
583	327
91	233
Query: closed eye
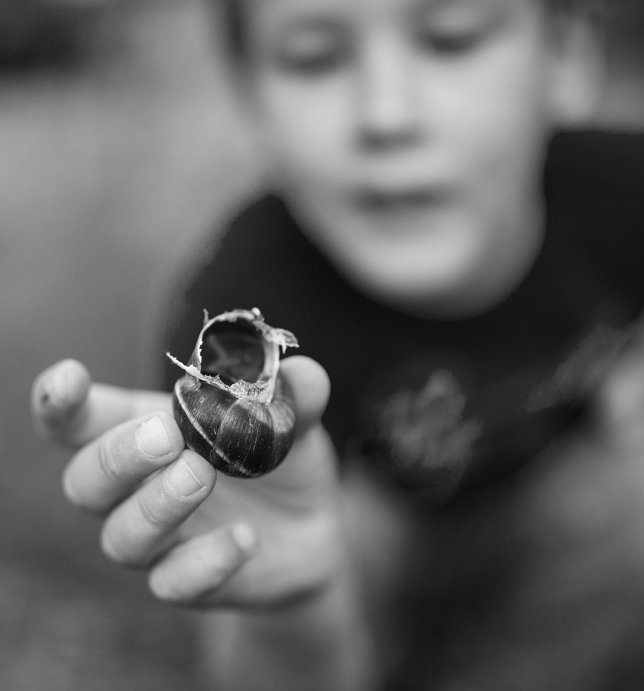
450	41
458	28
313	49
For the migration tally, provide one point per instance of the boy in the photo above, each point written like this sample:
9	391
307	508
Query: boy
407	246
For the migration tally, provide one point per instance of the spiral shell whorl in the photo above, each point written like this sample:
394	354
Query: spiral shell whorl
244	428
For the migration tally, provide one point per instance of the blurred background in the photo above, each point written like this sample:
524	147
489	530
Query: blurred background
118	151
120	148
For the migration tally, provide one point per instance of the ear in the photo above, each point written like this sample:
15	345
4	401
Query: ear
579	68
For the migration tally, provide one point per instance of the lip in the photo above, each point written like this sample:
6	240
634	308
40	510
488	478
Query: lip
399	200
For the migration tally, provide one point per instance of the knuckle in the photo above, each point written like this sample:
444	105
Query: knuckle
153	509
213	568
106	458
70	490
77	497
110	550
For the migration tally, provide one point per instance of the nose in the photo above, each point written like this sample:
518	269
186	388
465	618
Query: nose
387	109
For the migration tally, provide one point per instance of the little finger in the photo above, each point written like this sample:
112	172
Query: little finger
193	570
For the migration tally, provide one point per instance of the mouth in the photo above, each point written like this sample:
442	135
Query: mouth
395	201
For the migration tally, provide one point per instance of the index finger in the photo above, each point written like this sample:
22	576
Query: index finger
108	469
68	408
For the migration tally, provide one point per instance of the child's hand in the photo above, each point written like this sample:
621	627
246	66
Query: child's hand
250	542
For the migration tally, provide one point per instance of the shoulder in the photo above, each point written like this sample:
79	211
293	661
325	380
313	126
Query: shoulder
597	178
263	225
593	186
238	261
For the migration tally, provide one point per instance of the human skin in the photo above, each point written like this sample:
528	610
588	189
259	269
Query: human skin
408	137
276	542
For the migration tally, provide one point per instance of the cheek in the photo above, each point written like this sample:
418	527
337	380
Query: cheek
493	115
308	131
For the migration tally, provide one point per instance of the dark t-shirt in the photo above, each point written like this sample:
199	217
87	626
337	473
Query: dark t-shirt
450	404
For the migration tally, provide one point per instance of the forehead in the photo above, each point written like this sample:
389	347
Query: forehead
284	10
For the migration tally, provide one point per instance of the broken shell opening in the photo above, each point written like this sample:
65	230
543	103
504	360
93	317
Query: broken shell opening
238	352
234	351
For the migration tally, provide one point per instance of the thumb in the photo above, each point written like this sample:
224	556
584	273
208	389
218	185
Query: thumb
310	386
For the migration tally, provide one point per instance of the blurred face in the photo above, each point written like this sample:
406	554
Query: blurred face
408	137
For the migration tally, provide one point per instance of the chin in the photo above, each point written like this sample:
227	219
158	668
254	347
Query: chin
440	285
442	296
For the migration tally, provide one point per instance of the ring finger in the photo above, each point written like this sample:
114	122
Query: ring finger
145	524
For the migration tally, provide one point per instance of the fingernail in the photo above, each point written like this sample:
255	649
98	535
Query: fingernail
182	479
152	438
244	536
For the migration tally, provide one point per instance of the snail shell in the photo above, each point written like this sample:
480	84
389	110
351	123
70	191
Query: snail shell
232	405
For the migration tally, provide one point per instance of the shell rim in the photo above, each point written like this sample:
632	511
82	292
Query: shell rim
273	340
